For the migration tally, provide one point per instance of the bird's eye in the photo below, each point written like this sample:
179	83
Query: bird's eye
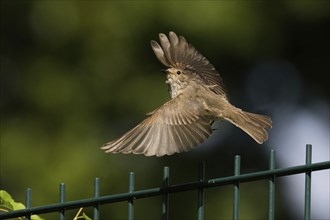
178	72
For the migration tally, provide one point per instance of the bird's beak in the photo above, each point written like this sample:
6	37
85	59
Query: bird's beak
164	70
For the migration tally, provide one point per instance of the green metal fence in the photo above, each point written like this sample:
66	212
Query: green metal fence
166	189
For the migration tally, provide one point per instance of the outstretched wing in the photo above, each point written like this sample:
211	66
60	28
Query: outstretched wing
176	52
172	128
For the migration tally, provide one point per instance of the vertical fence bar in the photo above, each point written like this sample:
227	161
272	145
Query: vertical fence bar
62	200
96	211
308	178
271	187
201	179
166	181
237	168
28	202
130	202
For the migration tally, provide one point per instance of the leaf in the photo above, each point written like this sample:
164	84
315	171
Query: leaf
8	203
36	217
5	199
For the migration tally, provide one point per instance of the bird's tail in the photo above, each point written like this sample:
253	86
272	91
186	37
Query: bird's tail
254	125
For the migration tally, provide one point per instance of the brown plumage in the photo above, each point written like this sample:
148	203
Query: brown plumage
198	98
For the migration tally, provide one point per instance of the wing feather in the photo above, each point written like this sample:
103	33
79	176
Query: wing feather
172	128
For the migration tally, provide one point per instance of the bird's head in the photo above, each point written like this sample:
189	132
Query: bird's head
177	75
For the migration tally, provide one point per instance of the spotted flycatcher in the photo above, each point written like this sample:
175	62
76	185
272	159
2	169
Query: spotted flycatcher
198	97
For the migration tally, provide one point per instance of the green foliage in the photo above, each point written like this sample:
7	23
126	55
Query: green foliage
8	204
81	215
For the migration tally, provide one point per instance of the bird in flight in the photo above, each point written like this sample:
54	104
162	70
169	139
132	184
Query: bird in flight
198	98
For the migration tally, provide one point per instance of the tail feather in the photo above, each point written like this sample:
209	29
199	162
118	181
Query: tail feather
253	124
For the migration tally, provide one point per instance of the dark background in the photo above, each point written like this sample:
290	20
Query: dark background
75	75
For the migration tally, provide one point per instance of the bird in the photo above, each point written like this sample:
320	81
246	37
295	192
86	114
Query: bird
198	98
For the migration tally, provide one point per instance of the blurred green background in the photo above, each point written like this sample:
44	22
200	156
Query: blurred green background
77	74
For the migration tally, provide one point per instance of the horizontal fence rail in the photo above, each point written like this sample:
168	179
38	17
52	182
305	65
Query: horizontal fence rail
166	189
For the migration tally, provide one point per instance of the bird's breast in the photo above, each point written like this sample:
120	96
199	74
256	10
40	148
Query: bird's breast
176	87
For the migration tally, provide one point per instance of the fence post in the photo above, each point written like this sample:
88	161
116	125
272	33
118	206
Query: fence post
28	202
130	201
166	181
62	199
237	168
271	187
308	178
201	179
96	211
